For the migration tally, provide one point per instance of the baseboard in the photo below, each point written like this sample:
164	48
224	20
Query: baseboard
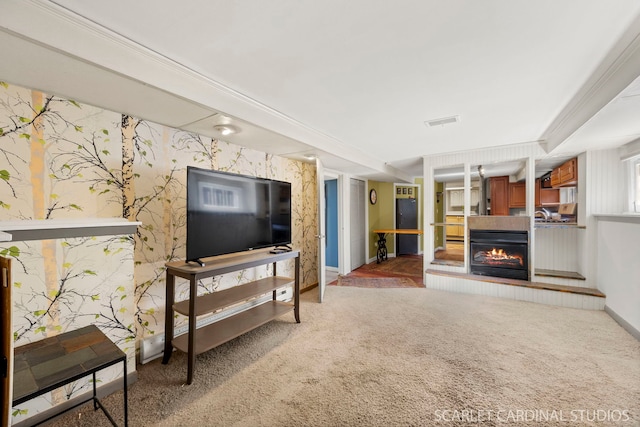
375	259
308	288
102	391
625	325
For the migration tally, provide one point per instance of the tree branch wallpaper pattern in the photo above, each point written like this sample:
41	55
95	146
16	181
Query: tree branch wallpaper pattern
63	159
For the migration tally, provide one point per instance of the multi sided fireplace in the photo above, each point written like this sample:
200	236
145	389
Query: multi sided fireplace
499	253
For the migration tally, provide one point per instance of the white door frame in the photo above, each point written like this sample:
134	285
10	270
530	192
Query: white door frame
321	236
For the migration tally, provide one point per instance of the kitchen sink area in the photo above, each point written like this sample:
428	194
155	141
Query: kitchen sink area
564	215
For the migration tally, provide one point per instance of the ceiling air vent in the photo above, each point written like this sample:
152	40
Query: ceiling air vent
442	121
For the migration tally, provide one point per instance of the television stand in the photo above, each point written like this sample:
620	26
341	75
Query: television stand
199	340
197	261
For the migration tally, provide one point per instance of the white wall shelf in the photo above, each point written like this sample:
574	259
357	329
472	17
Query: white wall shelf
43	229
630	217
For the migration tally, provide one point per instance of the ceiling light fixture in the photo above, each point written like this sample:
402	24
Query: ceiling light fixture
226	129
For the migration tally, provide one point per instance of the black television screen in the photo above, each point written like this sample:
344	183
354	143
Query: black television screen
233	213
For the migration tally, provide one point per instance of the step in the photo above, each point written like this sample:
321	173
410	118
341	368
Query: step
559	273
522	290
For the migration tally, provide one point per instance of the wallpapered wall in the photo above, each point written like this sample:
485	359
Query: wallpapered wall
63	159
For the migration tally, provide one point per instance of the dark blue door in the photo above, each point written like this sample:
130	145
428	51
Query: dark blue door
331	218
407	218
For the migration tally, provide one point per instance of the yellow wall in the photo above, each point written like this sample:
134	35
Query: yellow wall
381	214
420	197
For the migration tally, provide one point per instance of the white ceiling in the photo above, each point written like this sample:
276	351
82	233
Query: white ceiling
350	81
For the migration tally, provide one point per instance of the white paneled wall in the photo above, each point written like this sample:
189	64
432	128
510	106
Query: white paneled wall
519	293
557	248
602	189
604	184
619	269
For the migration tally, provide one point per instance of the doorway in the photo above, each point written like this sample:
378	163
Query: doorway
407	216
357	215
331	229
448	214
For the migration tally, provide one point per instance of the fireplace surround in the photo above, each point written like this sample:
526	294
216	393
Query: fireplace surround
499	246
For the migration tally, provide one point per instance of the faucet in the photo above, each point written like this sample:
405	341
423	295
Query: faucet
544	212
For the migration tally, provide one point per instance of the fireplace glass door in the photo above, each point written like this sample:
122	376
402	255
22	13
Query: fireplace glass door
499	253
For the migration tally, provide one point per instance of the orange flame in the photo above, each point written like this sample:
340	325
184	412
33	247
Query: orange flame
500	254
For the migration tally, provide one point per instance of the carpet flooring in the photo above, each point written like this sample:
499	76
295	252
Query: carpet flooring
399	357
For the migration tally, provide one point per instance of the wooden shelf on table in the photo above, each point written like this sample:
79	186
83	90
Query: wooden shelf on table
215	334
220	299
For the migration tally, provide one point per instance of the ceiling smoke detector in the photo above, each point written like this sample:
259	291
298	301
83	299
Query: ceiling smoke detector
442	121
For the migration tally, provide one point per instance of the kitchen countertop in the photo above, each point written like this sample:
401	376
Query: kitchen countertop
557	224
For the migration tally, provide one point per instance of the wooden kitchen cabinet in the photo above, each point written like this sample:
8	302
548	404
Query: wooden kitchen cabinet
518	195
555	177
569	173
499	195
565	175
546	196
455	227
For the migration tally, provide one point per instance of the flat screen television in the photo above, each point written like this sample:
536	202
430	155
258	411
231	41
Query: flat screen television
229	213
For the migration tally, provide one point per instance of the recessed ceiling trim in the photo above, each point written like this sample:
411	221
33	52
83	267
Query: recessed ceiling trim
616	71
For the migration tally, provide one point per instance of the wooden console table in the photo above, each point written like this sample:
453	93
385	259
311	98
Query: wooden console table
43	366
200	340
382	239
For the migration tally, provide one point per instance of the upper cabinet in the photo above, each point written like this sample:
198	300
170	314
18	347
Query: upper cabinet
499	195
565	175
454	196
518	194
507	195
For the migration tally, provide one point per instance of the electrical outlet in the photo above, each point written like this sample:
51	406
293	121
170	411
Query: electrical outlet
151	348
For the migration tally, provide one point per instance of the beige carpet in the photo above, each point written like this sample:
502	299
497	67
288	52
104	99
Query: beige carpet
400	357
